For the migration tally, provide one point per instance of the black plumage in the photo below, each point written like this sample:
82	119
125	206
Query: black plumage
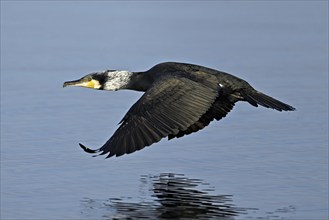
179	99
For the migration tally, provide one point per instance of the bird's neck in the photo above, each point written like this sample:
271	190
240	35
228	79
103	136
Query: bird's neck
118	79
140	81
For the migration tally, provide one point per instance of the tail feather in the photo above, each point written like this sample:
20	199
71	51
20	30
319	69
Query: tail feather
256	98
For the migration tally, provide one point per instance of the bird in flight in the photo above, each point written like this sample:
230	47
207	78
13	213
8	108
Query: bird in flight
179	99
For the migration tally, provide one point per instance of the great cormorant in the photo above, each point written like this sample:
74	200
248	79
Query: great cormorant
179	99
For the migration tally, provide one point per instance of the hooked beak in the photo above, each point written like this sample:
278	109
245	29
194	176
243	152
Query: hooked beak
73	83
93	84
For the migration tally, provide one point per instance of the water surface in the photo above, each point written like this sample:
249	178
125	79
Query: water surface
257	162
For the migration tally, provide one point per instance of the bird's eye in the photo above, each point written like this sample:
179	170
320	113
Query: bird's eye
89	78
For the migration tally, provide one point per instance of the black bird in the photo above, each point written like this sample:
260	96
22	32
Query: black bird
179	99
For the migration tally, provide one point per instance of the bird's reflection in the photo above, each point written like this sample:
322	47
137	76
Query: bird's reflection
171	196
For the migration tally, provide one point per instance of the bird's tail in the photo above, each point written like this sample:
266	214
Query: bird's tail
256	98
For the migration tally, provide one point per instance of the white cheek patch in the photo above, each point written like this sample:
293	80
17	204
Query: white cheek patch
117	80
114	84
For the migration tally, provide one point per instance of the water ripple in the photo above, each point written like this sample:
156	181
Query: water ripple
172	196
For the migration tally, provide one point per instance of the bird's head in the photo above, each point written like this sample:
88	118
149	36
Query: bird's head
107	80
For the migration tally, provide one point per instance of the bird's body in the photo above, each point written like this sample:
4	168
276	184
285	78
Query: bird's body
179	99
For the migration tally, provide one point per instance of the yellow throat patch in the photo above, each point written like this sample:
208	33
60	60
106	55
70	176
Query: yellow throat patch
93	84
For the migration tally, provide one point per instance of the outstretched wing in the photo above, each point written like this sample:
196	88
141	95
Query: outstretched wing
171	105
218	110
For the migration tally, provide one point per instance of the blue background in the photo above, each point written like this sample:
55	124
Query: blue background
265	159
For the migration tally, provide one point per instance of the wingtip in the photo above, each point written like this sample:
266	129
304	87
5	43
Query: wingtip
287	107
292	108
88	150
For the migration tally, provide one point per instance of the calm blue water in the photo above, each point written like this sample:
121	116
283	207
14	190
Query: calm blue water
255	163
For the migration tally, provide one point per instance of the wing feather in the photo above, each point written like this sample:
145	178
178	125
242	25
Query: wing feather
171	105
218	110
